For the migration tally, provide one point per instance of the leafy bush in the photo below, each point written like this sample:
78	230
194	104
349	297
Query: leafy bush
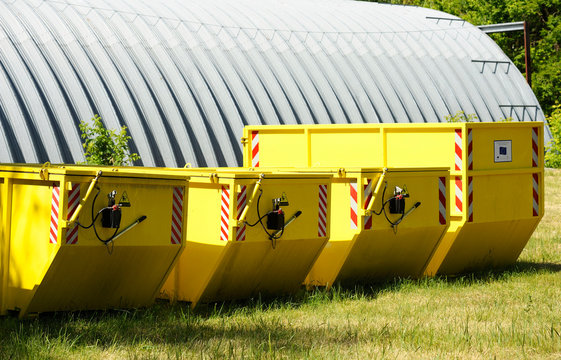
553	148
106	147
460	117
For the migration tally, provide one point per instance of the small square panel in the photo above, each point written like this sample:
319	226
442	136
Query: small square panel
503	151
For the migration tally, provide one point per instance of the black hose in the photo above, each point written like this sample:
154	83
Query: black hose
94	218
383	209
272	237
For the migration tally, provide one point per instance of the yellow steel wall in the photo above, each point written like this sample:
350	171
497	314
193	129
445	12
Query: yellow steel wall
211	269
502	191
329	262
43	276
348	148
379	252
30	250
483	147
408	147
289	146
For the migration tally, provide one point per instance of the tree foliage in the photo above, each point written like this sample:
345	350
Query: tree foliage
553	155
106	147
459	117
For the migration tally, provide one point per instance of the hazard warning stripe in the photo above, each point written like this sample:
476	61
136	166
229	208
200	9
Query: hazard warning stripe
367	197
458	149
54	215
177	215
242	201
354	206
225	213
255	148
442	194
536	194
73	202
470	198
470	150
459	194
322	214
535	147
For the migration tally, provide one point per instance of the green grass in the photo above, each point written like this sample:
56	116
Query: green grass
503	314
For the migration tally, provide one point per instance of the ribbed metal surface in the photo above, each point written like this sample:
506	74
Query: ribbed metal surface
186	76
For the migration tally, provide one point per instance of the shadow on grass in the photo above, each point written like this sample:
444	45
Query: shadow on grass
207	328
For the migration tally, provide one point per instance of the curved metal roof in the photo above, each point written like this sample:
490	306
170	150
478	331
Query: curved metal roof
186	76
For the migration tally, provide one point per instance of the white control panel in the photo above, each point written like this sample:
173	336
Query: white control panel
503	151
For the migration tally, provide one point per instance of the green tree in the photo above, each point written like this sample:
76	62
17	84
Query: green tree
106	147
553	155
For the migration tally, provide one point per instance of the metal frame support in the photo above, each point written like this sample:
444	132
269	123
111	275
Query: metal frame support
72	221
496	62
527	56
524	107
370	206
250	201
515	26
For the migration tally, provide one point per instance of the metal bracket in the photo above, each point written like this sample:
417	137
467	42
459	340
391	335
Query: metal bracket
496	62
451	20
524	109
71	222
370	206
250	201
44	172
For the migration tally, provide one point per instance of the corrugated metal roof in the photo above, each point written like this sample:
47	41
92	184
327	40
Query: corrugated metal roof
186	76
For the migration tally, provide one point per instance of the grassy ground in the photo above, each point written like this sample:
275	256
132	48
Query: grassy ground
511	313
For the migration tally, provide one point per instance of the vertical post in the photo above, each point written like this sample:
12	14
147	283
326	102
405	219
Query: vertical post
308	146
5	234
527	57
384	146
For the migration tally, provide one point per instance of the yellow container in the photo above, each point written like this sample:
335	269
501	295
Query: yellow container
225	258
367	243
48	263
496	175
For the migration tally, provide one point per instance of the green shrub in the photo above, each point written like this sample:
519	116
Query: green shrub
553	148
460	117
106	147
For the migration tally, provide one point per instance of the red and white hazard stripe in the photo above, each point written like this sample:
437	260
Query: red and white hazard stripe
442	195
367	197
470	150
458	149
225	213
354	206
470	198
255	148
177	215
242	201
459	194
536	194
73	202
535	147
322	212
54	214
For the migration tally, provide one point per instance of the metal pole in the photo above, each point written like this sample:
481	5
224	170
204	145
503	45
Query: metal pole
527	57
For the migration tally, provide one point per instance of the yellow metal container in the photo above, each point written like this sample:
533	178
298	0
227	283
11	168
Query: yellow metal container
226	258
496	175
369	243
49	263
